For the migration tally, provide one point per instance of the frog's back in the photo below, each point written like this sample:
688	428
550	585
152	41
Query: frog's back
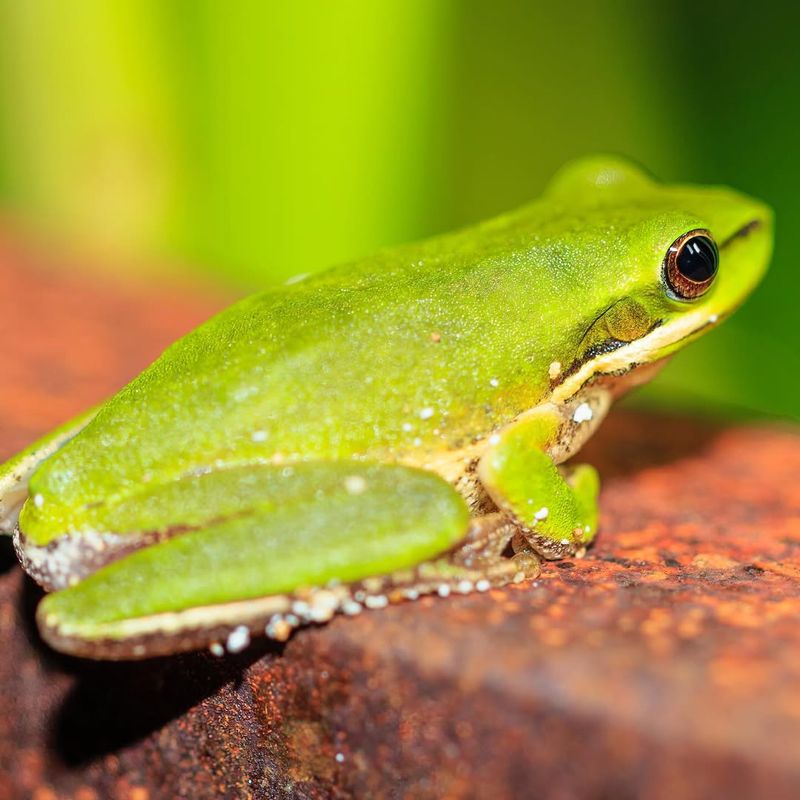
414	350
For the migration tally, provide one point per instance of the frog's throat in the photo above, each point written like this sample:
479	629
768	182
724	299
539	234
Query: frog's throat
652	347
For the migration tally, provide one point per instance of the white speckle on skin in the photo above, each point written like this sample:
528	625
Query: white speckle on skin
38	500
426	413
59	564
443	590
355	484
483	585
464	587
407	426
351	608
377	601
494	439
565	541
542	513
494	382
278	628
587	528
340	757
555	370
583	413
713	318
323	605
301	608
373	585
216	649
417	442
238	639
259	436
244	393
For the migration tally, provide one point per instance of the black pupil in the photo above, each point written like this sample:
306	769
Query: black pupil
698	259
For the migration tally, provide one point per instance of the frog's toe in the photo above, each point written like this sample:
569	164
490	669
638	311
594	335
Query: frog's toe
527	566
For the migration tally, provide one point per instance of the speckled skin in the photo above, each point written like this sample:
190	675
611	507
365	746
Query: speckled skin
443	356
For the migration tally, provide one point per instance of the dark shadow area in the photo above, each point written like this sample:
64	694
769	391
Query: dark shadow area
630	441
8	559
113	704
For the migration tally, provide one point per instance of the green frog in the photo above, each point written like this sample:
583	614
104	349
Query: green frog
392	427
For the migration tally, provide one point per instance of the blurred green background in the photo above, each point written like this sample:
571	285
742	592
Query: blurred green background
254	140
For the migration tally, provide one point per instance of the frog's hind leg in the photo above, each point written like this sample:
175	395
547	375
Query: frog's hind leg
255	549
16	472
282	547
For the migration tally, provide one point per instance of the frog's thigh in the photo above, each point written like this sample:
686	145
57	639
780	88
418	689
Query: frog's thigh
336	525
556	513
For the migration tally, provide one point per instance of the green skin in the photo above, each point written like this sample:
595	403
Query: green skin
382	429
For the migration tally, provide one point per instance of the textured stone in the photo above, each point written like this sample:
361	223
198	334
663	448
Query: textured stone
664	664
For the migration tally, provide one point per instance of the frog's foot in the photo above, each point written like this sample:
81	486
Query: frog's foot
484	549
483	560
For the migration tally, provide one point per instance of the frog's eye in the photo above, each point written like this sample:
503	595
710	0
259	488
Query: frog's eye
691	264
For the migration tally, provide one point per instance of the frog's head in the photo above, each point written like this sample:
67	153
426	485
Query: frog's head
668	262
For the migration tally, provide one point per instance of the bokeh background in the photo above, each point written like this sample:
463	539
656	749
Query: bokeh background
248	141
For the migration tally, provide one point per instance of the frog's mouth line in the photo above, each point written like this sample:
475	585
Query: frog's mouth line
630	355
618	358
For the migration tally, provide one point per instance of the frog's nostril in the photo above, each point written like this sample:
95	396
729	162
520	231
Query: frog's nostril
746	229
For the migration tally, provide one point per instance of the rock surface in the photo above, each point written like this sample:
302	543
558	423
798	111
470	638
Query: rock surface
665	664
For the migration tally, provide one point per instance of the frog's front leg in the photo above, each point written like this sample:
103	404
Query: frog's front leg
554	509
